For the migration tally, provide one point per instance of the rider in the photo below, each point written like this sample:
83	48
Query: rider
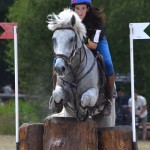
94	19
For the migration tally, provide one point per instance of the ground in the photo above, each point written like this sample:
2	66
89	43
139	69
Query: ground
8	143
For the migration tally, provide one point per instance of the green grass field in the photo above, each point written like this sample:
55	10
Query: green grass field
8	143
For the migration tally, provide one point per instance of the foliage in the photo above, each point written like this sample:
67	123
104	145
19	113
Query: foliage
4	73
119	15
28	112
35	50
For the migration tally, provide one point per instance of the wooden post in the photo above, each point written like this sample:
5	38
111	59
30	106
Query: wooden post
69	134
115	138
61	133
31	136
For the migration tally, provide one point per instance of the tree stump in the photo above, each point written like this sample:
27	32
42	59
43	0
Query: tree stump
115	138
69	134
31	136
61	133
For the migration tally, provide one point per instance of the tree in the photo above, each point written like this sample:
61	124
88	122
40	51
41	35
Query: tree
118	18
35	50
5	75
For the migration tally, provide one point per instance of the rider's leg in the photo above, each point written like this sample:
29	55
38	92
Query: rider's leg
103	49
109	92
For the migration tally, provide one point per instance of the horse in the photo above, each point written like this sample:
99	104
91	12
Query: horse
78	91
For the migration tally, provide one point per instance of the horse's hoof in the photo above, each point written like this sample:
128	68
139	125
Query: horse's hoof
82	115
55	107
58	106
107	108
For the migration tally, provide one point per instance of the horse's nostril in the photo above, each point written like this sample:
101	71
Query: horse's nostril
63	69
60	69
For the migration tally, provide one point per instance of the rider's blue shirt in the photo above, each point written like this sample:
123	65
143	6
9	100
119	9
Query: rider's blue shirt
103	49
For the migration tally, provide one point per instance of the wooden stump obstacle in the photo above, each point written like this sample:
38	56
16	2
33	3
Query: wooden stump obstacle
69	134
31	137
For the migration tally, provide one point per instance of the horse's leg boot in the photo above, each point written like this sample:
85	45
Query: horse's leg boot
109	92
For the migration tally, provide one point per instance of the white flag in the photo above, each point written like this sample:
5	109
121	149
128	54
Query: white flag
138	30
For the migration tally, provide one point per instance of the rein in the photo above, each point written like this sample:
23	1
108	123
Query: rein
73	85
67	59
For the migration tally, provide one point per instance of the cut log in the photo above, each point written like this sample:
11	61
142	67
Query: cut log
115	138
31	136
69	134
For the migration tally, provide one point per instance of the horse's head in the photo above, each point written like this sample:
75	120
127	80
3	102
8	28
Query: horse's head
67	38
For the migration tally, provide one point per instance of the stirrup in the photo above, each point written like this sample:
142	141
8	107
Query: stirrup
107	108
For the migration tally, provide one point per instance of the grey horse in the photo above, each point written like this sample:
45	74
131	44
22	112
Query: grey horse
78	91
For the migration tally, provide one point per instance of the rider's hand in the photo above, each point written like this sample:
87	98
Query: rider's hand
91	44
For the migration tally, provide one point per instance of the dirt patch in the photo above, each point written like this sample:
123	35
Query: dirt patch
143	145
7	142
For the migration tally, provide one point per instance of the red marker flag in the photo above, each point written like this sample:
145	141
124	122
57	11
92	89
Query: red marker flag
8	30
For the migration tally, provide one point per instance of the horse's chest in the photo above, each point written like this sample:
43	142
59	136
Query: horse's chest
73	93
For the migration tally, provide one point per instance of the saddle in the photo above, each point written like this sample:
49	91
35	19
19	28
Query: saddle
102	83
102	70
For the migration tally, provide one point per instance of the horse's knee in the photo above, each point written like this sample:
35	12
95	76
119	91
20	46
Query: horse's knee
89	98
58	94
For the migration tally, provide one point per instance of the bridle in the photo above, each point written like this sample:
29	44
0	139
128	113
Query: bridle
74	70
68	60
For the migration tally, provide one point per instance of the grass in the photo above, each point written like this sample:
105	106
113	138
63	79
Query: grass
8	143
28	112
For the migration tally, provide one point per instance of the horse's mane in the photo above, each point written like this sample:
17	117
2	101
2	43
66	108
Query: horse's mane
63	19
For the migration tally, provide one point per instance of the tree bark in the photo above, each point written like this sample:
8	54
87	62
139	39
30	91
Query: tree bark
61	133
69	134
115	138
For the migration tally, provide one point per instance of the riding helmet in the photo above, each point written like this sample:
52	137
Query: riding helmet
74	2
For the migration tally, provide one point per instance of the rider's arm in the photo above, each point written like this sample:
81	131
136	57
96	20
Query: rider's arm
93	38
91	45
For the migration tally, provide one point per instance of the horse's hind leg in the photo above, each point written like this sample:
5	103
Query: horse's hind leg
106	121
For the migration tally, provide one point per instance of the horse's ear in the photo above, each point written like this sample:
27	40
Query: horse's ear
73	20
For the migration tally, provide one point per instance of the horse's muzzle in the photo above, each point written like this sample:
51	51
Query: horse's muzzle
60	70
60	67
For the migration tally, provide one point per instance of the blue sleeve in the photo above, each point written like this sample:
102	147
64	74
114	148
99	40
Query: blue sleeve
103	49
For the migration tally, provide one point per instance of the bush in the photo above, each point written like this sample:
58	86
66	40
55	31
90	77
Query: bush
28	112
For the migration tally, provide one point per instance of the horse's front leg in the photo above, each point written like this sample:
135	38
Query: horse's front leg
88	99
58	94
56	102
